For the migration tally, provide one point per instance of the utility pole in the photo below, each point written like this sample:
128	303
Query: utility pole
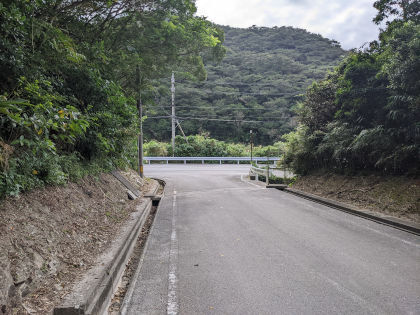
173	112
251	139
140	113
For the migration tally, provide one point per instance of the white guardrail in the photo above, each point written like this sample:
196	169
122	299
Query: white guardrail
267	171
263	171
203	159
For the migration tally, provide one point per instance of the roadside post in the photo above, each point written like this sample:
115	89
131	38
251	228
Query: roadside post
268	172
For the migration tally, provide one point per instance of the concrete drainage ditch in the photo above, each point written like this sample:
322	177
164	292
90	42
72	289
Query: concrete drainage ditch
102	290
133	262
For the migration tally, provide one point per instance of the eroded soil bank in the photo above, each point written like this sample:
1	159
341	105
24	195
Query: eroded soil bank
398	196
50	237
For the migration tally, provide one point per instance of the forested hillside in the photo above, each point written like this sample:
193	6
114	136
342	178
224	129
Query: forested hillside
264	74
365	116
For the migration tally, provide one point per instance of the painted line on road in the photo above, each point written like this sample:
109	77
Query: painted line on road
212	191
248	182
393	237
172	306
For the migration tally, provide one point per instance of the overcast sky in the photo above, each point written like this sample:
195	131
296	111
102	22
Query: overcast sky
347	21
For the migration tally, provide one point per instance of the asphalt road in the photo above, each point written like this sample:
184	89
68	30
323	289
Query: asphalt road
220	245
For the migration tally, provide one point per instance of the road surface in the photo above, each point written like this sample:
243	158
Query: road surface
220	245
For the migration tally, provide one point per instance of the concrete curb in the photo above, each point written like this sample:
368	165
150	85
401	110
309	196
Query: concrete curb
93	293
370	215
277	186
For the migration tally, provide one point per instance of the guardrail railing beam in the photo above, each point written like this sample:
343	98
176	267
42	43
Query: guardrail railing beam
236	159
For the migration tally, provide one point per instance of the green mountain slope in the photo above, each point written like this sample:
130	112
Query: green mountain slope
255	87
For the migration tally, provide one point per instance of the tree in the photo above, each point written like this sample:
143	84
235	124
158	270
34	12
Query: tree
66	80
366	115
400	9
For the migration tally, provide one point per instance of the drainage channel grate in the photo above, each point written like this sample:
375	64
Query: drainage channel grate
118	298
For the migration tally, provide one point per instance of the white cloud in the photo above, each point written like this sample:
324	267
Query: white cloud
347	21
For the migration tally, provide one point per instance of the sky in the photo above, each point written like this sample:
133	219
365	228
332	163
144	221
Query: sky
346	21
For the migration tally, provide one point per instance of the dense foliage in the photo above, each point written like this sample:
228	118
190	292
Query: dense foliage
260	80
365	115
203	145
68	80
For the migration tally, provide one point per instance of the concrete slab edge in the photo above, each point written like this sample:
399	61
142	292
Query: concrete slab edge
278	186
154	189
387	220
126	183
101	288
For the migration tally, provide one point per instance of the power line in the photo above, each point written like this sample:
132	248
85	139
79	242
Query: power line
232	83
239	93
158	117
186	107
233	117
206	116
216	83
224	120
227	82
216	119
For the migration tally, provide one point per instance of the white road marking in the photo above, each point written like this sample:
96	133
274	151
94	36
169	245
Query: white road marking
394	237
352	295
172	306
248	182
213	191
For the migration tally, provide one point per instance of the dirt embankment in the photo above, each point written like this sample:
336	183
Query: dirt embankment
49	237
398	196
